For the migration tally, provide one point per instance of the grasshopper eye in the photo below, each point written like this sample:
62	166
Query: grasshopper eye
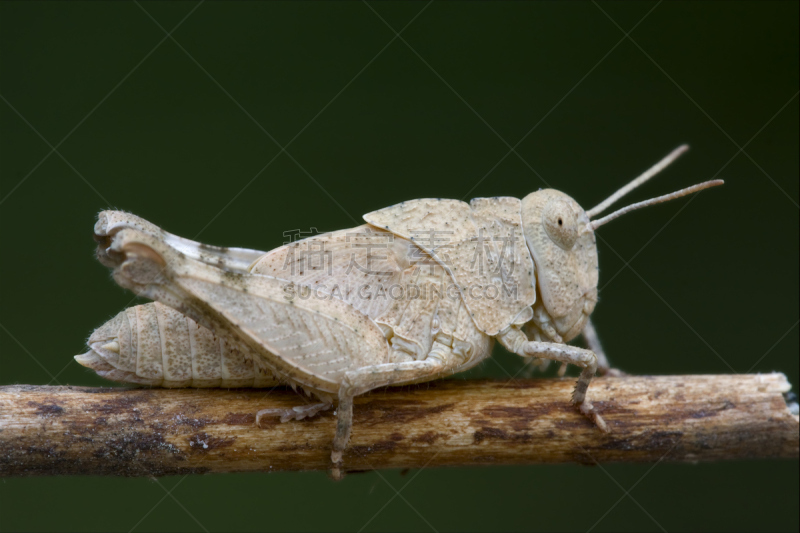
560	221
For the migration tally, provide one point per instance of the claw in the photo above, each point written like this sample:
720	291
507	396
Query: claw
336	473
587	409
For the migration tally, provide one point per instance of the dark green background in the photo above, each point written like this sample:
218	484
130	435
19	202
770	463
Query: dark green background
717	288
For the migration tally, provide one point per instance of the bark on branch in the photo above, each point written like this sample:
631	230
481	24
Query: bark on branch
155	432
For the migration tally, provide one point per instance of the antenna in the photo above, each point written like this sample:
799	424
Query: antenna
666	198
655	169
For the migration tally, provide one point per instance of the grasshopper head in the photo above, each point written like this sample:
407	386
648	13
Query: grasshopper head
560	237
562	245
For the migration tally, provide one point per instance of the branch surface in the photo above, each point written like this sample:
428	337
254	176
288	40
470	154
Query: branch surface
156	432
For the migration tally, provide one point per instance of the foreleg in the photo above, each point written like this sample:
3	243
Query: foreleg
514	340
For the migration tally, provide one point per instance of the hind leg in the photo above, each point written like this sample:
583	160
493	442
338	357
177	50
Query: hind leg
231	259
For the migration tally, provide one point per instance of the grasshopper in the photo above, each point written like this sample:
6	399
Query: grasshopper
419	292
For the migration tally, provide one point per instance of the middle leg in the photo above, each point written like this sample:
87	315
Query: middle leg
355	382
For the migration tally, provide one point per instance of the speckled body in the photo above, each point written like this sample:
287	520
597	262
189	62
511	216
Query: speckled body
422	294
419	292
355	320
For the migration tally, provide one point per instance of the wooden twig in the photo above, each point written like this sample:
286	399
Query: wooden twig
155	432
